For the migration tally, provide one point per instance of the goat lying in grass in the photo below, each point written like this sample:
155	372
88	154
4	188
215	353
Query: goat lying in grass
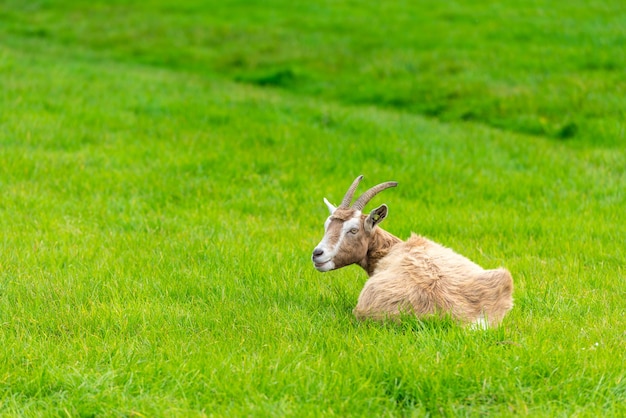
415	276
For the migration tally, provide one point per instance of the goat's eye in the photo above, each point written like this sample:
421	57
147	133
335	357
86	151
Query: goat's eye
354	230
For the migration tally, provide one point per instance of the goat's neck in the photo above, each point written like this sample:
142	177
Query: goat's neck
379	246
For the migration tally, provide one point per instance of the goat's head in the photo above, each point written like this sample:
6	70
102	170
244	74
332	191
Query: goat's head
347	230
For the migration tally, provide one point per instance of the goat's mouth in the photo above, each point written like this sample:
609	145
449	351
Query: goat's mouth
323	265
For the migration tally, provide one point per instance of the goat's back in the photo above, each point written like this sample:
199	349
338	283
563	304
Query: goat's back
427	278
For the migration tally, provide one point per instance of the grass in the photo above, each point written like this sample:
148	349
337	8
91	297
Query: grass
539	68
160	202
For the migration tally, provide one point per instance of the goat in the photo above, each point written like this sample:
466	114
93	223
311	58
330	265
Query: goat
416	276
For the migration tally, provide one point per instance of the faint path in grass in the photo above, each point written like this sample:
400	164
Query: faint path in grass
157	220
540	68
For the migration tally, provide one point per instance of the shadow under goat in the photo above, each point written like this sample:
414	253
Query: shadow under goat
415	276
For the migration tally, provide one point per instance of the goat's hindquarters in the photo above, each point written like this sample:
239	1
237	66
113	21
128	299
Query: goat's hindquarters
423	278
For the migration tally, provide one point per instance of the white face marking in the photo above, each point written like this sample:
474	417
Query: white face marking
325	261
350	224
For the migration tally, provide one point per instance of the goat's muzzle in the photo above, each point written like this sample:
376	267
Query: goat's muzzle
321	261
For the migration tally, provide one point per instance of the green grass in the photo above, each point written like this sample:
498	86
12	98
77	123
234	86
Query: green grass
163	169
541	68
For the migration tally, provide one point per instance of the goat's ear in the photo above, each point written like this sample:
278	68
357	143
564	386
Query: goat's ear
331	207
375	217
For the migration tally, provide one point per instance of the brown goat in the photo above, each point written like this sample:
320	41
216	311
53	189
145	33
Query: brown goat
415	276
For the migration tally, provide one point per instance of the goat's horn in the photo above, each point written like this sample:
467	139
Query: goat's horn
345	203
368	195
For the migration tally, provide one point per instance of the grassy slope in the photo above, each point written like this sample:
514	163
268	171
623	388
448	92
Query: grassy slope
156	228
540	67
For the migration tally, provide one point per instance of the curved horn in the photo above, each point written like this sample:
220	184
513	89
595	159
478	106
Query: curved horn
345	203
368	195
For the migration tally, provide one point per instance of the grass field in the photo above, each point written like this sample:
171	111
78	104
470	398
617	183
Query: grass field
163	169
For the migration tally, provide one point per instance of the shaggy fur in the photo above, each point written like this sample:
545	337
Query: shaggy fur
425	278
416	276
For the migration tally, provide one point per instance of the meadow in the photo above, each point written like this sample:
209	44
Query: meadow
163	170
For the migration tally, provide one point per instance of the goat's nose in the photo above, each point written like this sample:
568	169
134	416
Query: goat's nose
317	252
